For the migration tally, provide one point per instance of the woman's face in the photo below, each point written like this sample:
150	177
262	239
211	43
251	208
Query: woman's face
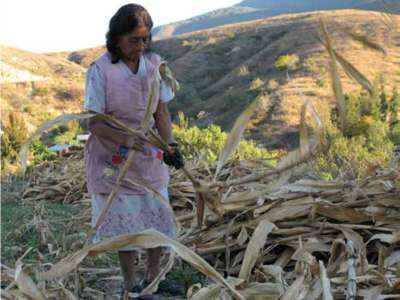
133	44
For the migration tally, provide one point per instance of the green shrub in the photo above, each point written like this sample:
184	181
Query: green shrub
342	156
67	134
368	141
210	141
40	152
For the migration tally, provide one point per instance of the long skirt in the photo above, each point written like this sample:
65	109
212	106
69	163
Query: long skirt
130	214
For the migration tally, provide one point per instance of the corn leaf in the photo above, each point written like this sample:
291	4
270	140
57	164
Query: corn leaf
294	291
337	85
326	285
354	73
304	140
153	99
64	119
61	120
9	296
145	240
366	42
153	286
236	134
24	282
169	78
254	247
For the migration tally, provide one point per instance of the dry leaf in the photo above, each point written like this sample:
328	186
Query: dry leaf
236	134
254	247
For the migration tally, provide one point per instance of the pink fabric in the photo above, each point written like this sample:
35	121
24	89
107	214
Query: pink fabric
126	100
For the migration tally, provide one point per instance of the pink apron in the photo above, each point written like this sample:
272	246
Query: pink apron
126	101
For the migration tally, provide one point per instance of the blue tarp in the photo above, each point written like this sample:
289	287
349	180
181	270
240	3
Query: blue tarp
57	148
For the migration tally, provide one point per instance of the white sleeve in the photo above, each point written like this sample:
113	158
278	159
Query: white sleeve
166	92
95	92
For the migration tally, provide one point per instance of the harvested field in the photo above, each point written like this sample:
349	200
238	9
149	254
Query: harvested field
320	239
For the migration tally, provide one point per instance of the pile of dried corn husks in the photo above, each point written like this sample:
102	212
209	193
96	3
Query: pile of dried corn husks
309	240
62	180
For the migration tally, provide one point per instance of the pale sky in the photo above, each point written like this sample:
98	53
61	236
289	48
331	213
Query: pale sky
54	25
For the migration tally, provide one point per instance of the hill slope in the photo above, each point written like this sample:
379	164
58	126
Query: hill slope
223	69
249	10
39	86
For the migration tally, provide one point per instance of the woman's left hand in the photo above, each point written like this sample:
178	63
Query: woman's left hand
174	159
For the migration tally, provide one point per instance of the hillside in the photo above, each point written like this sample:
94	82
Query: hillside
222	69
40	86
250	10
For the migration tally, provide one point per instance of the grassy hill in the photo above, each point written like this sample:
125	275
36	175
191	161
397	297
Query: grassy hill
250	10
222	69
39	86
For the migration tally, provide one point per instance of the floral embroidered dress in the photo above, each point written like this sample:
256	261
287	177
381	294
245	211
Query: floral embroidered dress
115	90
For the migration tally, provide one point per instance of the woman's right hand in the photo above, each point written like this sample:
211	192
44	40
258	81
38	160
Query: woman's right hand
136	141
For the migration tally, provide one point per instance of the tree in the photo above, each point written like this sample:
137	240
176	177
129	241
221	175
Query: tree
394	108
17	131
13	137
287	61
384	105
6	149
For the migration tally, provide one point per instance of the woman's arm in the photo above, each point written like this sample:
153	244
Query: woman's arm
163	122
118	137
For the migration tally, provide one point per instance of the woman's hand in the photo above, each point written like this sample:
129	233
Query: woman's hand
174	159
136	141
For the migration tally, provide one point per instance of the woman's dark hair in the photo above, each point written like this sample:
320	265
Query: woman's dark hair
127	18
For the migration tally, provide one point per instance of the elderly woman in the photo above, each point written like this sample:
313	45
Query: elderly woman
118	84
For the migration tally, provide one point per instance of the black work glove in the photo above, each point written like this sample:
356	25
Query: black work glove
174	159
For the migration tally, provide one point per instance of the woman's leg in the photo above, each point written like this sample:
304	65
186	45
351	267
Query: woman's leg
153	263
152	271
127	260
